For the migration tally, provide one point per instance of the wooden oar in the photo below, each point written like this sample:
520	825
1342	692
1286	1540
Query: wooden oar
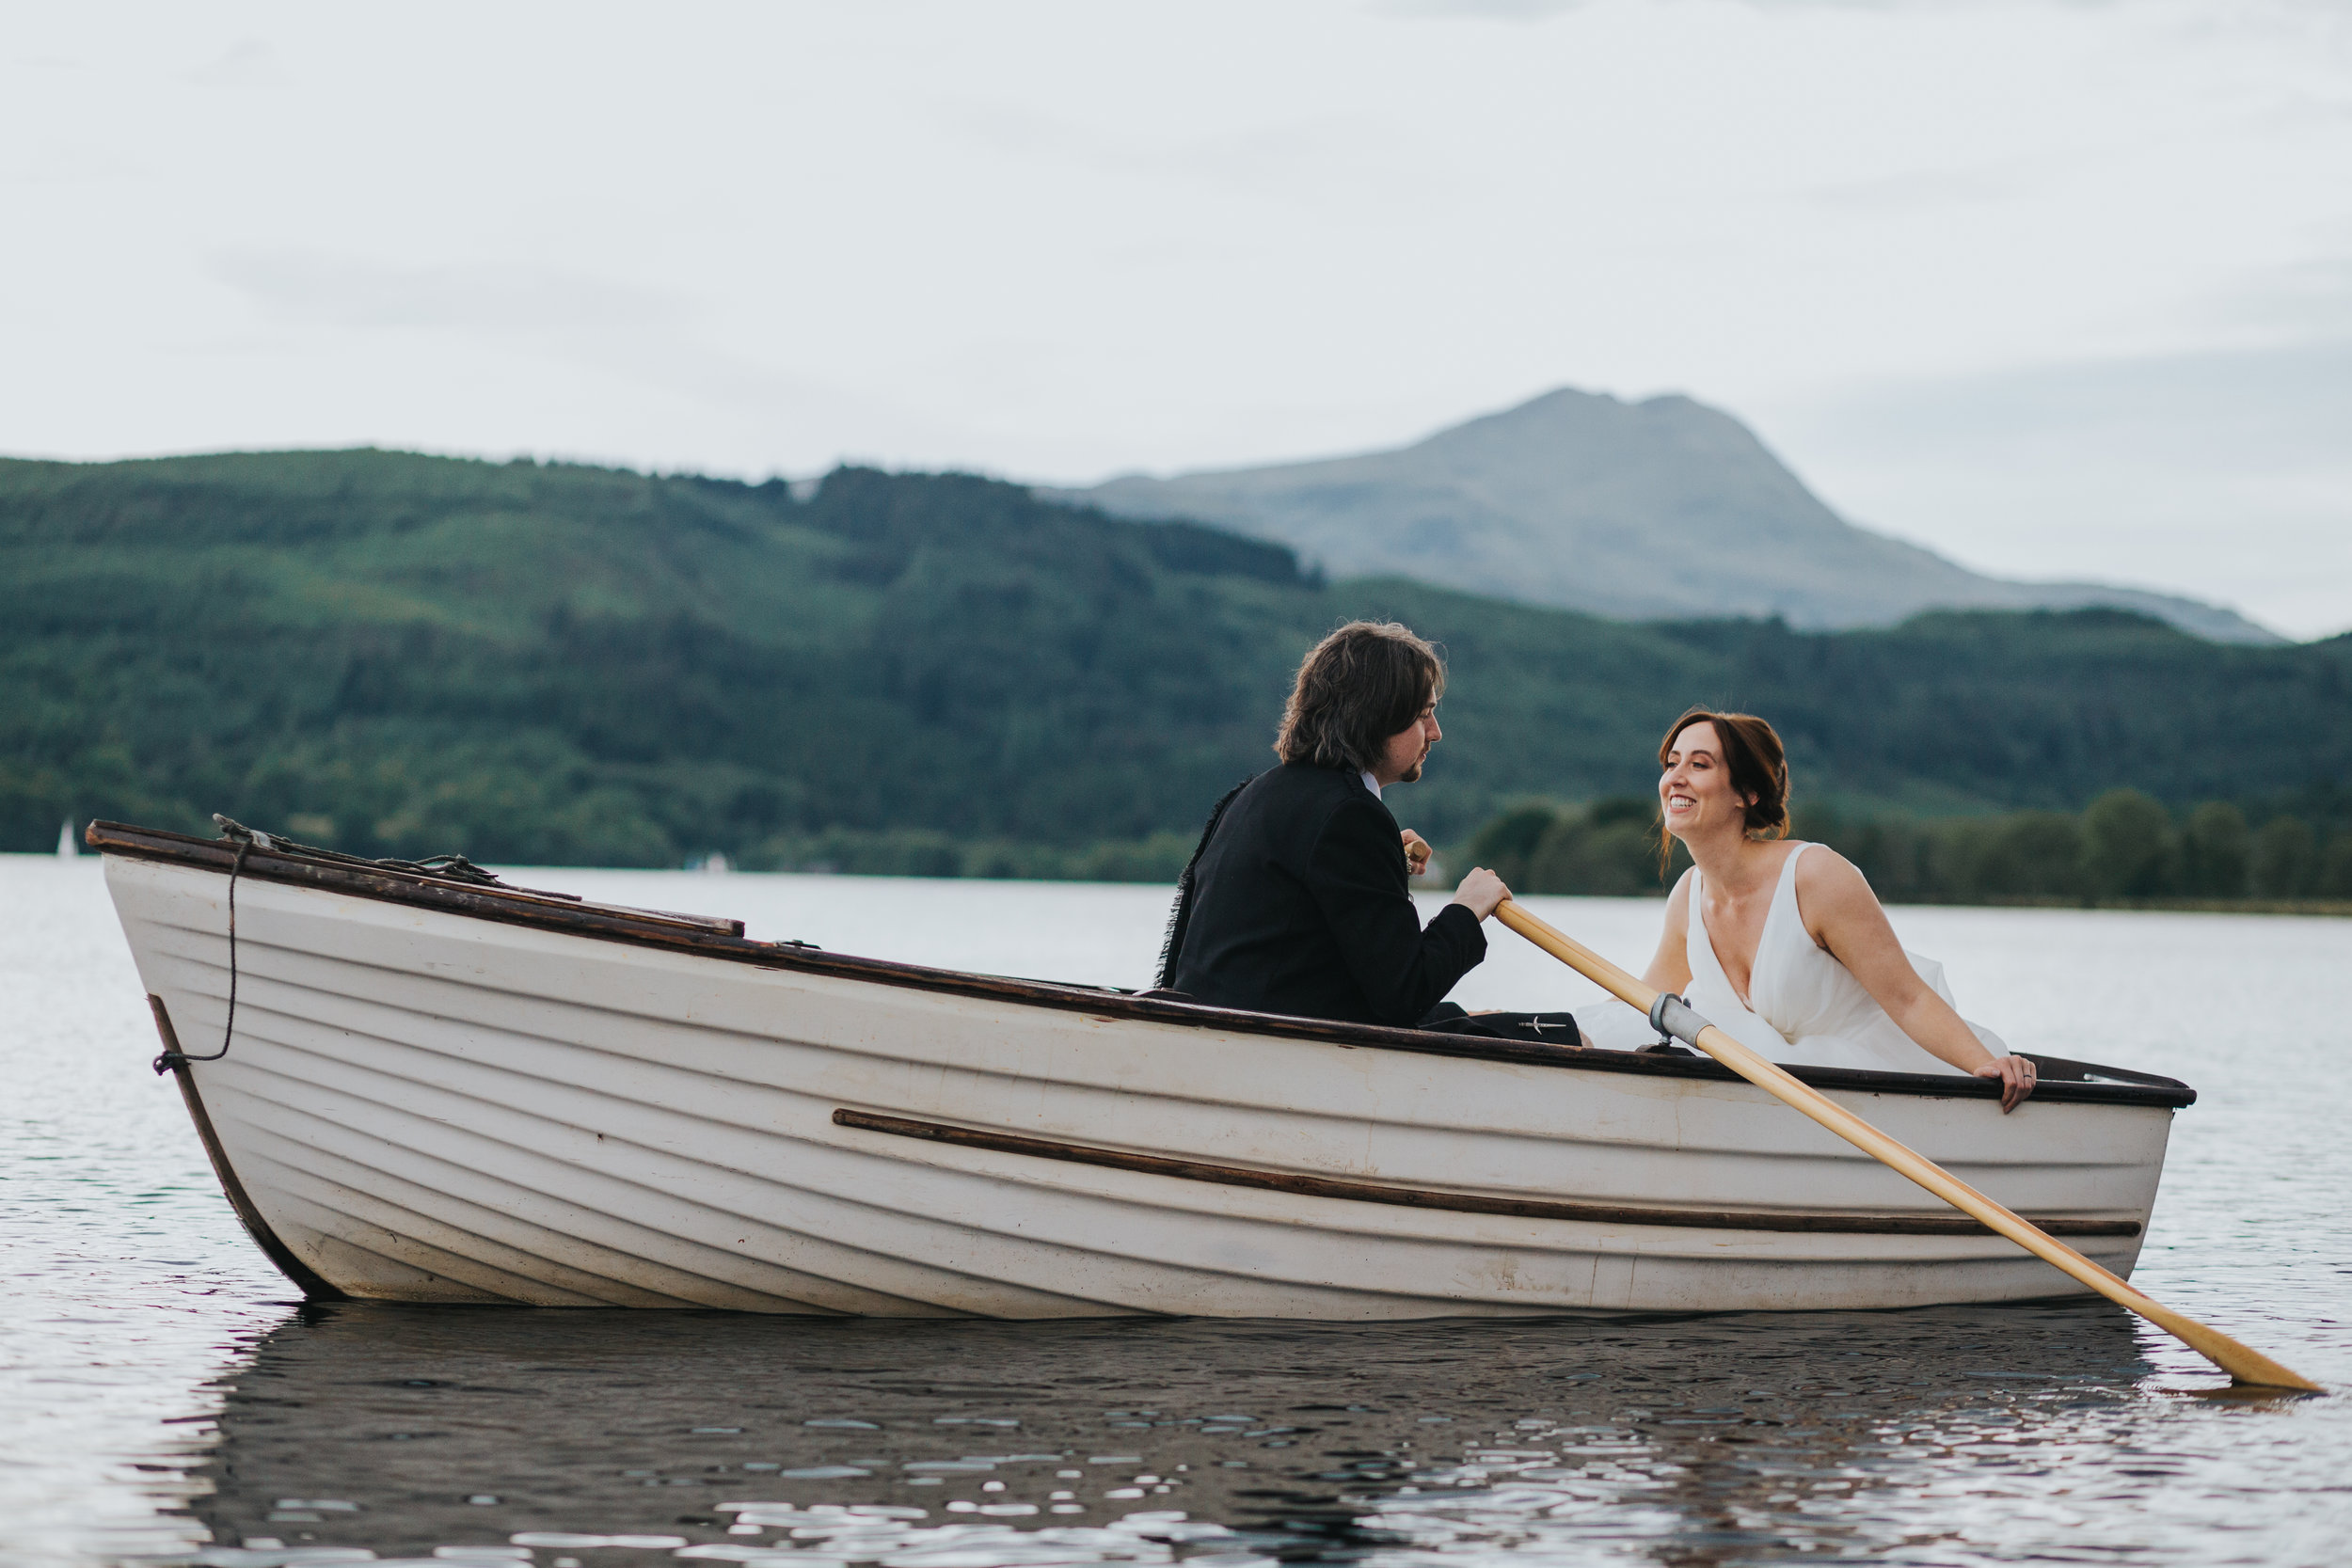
1672	1015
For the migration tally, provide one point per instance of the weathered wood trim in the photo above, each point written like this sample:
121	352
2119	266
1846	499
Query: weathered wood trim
646	928
305	1278
1462	1203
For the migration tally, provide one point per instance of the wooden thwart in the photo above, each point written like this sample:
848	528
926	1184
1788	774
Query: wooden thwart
1460	1203
2243	1364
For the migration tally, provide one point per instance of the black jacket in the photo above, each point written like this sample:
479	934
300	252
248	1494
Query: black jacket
1297	903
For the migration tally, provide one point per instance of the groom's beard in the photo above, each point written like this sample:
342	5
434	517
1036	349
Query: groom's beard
1412	774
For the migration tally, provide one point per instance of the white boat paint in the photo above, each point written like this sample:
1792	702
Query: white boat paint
424	1104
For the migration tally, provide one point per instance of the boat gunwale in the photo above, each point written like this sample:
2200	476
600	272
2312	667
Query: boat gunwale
649	928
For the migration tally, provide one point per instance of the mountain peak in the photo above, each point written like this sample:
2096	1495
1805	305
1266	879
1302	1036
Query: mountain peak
1665	507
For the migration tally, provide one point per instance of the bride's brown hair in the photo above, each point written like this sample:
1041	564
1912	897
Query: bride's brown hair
1758	764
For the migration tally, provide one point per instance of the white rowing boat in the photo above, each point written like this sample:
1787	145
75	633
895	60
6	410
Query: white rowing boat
441	1092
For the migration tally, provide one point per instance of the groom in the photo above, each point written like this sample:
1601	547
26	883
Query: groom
1297	900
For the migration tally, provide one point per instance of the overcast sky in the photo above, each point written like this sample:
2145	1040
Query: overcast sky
2060	289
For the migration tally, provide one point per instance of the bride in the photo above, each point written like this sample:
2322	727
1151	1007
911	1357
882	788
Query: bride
1782	944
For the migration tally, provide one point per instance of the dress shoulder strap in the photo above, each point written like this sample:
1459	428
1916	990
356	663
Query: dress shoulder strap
1698	946
1785	922
1784	890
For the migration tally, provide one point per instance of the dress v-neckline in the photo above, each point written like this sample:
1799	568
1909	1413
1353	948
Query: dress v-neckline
1743	994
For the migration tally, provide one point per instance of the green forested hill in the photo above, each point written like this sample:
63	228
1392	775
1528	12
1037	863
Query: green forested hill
405	653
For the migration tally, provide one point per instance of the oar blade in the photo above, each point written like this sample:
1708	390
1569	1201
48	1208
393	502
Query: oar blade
2244	1365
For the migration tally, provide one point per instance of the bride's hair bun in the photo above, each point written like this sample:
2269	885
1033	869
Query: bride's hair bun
1758	761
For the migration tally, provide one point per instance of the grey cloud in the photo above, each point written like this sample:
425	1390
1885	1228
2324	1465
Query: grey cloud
638	334
1477	10
478	298
1541	10
2222	473
2313	299
2263	410
246	64
1921	188
1257	156
55	161
641	336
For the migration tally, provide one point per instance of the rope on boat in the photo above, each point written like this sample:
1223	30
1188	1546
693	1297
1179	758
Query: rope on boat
172	1060
449	868
454	868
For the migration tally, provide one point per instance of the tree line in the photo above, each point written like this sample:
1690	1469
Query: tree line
2124	847
556	664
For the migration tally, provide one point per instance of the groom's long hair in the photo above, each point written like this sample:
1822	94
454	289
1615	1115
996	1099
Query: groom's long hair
1363	683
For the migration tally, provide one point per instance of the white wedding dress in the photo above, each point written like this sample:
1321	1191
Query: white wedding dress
1802	1006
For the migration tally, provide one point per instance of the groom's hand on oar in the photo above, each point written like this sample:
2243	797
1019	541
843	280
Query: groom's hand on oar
1480	893
1415	853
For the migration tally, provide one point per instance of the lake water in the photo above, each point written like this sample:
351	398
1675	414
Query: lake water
164	1397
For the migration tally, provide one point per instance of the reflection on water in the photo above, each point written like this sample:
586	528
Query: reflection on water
1936	1435
162	1399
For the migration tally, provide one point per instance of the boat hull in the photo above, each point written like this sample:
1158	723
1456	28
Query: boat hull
422	1104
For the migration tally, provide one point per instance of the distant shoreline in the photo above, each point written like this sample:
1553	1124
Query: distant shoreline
2337	907
2333	908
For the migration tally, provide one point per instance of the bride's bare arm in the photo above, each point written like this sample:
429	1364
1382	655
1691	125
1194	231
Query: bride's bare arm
1670	968
1844	916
